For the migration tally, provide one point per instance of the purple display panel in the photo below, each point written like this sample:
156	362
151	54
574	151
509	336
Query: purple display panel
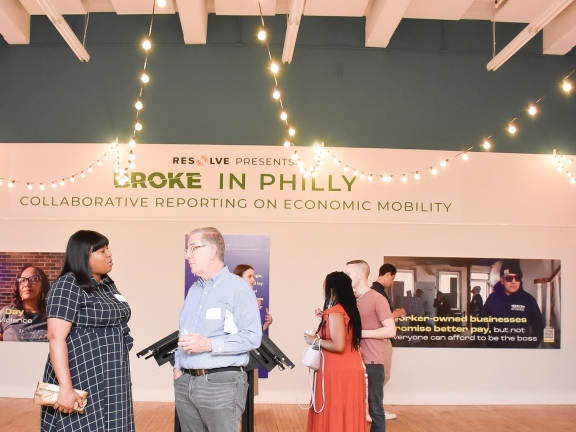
253	250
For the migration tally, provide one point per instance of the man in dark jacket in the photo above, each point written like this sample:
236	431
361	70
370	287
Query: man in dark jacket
476	304
512	312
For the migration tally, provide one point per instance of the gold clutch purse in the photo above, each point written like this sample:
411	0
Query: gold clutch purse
47	395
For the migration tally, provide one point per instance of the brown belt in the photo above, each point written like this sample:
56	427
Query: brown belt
198	372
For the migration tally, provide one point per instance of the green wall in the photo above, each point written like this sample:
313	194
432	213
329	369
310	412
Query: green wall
428	89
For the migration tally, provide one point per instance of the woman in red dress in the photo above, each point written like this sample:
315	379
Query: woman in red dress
339	331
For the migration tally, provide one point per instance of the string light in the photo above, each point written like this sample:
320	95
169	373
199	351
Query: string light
486	144
532	110
57	181
512	129
561	161
567	86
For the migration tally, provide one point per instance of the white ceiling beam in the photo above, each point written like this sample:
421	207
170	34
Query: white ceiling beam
382	20
528	33
521	11
244	7
438	9
560	34
14	22
65	7
194	20
292	27
354	8
141	7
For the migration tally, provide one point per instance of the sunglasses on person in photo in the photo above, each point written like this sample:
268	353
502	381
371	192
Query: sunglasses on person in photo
510	278
31	279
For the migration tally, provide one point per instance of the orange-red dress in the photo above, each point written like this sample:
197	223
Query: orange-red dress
344	387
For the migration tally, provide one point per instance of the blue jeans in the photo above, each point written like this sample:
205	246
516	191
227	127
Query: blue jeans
211	403
375	374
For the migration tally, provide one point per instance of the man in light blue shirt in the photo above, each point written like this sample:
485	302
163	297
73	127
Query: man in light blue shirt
219	326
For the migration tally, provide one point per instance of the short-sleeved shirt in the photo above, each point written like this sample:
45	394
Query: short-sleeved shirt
373	308
17	325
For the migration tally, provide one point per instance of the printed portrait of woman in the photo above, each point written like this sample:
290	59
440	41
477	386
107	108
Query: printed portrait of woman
24	320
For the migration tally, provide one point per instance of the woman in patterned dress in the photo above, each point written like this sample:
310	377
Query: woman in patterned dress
89	342
340	385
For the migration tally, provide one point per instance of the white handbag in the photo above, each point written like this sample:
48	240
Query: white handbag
312	355
314	359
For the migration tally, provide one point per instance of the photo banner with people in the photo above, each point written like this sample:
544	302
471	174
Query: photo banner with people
252	251
25	278
477	302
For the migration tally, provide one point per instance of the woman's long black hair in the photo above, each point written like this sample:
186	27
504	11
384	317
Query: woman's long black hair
339	284
80	244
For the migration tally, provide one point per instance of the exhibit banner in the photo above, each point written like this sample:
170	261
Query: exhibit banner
477	302
263	183
25	278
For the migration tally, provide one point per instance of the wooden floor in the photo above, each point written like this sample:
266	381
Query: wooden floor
20	415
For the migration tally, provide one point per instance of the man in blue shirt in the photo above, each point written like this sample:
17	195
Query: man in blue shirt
219	326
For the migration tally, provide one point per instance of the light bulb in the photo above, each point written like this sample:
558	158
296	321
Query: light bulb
566	86
262	34
11	184
465	156
122	172
512	129
404	179
532	110
362	176
294	156
1	183
486	144
53	185
132	157
99	163
300	164
443	163
283	115
106	156
132	142
276	94
314	174
572	180
82	174
291	132
138	126
139	105
346	168
42	186
145	77
62	183
29	186
286	144
434	171
274	67
161	3
132	165
355	173
370	177
72	179
90	169
147	44
416	176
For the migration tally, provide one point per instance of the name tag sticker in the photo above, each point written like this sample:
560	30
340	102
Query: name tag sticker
229	324
213	313
121	298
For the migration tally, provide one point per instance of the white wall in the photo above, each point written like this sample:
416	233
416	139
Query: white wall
149	266
148	271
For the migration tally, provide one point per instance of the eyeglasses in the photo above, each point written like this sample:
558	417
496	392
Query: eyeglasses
510	278
32	279
190	249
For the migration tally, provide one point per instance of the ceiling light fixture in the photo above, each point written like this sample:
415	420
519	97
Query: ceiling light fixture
528	33
64	29
296	10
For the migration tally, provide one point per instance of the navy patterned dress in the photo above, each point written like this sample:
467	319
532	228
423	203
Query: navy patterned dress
98	346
